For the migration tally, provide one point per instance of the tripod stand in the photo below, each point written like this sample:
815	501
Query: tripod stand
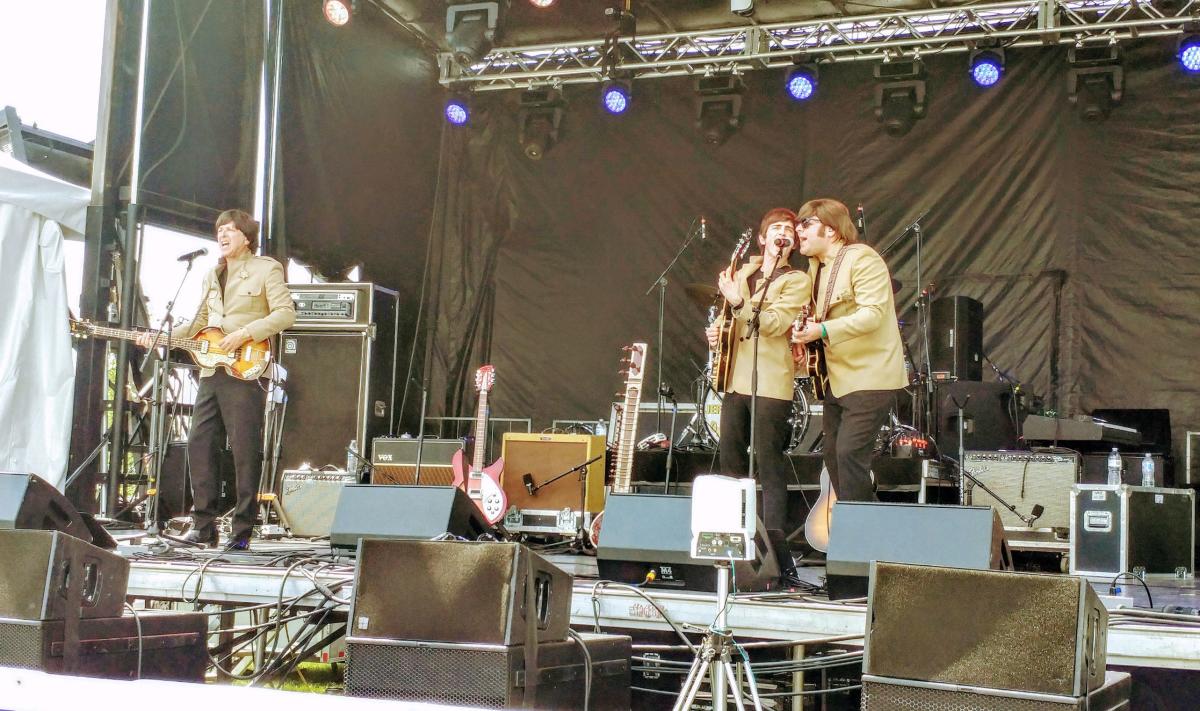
714	655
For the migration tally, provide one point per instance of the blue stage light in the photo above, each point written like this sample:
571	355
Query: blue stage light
457	111
801	84
1189	53
986	68
616	96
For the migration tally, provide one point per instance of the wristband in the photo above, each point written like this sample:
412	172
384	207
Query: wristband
824	333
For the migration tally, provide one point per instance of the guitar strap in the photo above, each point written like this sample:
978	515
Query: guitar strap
833	274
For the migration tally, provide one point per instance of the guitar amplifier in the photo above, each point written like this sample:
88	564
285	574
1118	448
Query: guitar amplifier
310	498
554	505
1024	480
394	461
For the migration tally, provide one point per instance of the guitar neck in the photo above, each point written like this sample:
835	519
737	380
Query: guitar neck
126	334
480	432
626	445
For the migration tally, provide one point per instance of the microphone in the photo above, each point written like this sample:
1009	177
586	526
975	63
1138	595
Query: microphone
703	228
192	255
861	222
783	242
527	479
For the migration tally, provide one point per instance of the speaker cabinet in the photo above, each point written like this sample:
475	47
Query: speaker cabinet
1025	480
394	460
48	575
460	592
545	456
29	501
494	677
650	536
989	416
423	512
341	381
959	536
884	694
173	645
992	629
956	338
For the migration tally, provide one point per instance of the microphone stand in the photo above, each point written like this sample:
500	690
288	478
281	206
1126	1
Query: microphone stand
420	432
1037	510
660	283
580	524
926	416
754	331
668	393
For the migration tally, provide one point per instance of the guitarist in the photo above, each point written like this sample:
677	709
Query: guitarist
787	290
246	296
855	320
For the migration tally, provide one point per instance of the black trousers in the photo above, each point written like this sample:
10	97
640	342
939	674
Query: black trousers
772	467
226	407
851	424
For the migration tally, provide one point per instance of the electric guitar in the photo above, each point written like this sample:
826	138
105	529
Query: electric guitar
816	524
626	430
247	362
482	483
809	358
722	356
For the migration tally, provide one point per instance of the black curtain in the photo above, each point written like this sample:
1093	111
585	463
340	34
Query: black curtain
1076	237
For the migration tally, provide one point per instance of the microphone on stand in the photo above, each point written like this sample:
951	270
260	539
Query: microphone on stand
861	222
192	255
527	479
703	228
783	242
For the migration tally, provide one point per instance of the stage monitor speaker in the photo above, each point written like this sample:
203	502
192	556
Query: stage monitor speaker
458	591
422	512
989	414
340	386
28	501
884	694
1025	480
860	532
956	338
494	677
48	575
647	539
394	460
993	629
545	456
171	646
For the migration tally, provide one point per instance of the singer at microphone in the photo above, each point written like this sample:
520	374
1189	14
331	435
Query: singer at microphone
192	255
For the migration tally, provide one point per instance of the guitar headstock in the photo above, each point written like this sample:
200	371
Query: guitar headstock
635	362
743	244
485	378
81	328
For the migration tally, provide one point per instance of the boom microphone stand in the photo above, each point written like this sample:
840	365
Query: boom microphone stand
922	317
1034	514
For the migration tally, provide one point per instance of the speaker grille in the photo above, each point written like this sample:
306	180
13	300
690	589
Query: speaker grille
460	676
894	697
20	645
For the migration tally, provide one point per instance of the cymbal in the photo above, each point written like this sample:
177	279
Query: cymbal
701	294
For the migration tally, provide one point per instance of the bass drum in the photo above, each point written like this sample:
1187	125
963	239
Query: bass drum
710	408
800	420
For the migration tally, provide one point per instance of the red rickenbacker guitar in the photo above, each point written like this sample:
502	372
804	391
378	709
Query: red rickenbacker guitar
809	358
481	483
722	357
246	363
626	430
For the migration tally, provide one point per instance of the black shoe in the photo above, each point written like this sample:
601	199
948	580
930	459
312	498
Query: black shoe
204	539
238	544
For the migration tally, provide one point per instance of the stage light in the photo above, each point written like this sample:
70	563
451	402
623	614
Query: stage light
899	95
718	107
538	120
471	30
1095	81
541	4
987	66
616	94
458	110
801	82
1189	53
339	12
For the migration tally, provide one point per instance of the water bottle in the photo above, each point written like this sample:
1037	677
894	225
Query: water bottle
1147	470
1114	468
351	451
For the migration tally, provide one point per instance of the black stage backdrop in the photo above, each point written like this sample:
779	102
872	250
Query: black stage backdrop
1078	238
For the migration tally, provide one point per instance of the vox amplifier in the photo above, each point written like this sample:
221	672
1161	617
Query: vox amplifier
1025	480
394	461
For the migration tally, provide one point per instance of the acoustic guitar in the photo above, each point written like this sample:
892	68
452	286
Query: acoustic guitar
722	355
809	358
816	525
248	362
481	483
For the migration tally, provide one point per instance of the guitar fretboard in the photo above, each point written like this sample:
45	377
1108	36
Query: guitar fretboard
480	432
190	344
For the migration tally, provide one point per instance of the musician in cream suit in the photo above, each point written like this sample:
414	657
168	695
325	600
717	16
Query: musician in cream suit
246	296
787	291
864	356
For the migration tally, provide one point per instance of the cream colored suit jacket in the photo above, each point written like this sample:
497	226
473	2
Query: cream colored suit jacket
788	293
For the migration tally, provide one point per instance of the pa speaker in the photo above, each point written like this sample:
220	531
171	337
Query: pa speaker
30	502
956	338
48	575
422	512
989	416
459	591
885	694
647	539
958	536
998	630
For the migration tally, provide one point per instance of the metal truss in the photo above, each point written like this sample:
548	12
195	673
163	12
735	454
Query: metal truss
879	37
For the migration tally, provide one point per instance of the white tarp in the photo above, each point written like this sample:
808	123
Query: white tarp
37	371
